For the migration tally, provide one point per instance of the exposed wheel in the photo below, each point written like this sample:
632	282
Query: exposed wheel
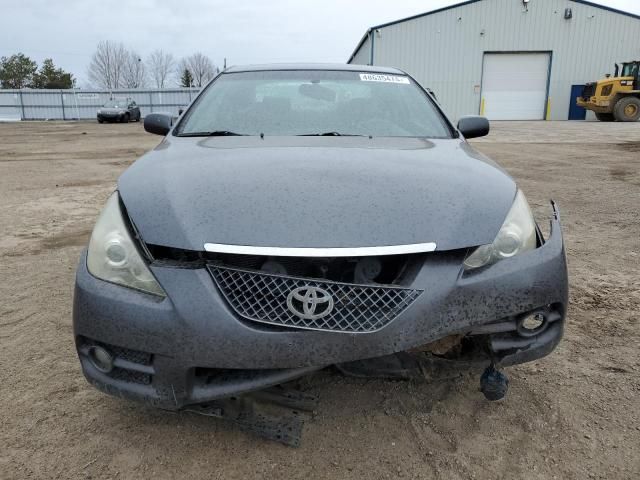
126	117
138	117
627	109
100	120
605	117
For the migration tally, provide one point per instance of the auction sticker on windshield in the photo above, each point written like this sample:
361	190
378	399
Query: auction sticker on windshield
376	77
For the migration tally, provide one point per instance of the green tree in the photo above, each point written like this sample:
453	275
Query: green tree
51	77
17	71
186	79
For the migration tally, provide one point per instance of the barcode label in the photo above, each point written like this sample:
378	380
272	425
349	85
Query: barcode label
376	77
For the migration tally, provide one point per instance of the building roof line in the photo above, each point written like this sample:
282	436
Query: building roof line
406	19
604	7
425	14
468	2
360	43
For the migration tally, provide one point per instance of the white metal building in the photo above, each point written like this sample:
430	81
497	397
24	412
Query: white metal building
506	59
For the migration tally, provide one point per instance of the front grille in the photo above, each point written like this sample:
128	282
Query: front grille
262	297
135	356
130	376
588	91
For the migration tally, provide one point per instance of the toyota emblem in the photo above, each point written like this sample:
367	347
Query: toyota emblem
310	303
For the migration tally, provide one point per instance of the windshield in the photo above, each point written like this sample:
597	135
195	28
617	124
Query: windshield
310	102
629	69
116	104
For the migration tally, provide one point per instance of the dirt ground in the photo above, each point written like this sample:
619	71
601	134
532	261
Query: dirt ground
573	415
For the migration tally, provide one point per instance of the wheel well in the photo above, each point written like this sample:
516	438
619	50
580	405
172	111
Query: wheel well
620	95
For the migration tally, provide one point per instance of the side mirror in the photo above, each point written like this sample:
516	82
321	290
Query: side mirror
158	123
473	126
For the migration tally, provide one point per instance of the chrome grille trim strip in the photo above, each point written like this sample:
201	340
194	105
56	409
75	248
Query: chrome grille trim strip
321	252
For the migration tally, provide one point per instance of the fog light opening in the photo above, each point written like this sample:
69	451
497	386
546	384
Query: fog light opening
532	324
100	358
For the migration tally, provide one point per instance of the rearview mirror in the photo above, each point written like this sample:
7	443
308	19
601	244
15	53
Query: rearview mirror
473	126
158	123
317	92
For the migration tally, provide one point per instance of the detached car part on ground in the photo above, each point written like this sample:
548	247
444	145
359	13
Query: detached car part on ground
298	217
119	110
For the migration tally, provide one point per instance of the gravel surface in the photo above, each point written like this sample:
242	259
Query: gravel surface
574	414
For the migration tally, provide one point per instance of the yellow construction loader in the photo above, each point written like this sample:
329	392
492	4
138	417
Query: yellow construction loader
615	98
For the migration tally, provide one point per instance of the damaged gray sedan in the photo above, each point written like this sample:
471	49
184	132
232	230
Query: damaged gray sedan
297	217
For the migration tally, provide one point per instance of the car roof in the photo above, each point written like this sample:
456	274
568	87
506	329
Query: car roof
314	66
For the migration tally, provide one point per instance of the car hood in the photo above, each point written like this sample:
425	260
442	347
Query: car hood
319	192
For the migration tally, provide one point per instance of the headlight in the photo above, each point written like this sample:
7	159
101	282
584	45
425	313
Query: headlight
517	235
113	255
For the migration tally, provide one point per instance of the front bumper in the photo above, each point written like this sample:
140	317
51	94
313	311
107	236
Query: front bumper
198	350
111	117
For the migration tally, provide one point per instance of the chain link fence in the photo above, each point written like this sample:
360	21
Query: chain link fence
28	104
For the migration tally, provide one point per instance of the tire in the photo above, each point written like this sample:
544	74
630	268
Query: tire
627	109
126	118
100	120
138	118
605	117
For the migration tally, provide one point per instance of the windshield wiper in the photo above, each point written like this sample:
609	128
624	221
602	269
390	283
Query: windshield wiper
214	133
331	134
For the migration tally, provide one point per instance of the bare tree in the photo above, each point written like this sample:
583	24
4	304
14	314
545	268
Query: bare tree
107	66
200	67
160	65
134	74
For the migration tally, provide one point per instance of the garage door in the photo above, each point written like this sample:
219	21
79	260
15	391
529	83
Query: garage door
514	86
